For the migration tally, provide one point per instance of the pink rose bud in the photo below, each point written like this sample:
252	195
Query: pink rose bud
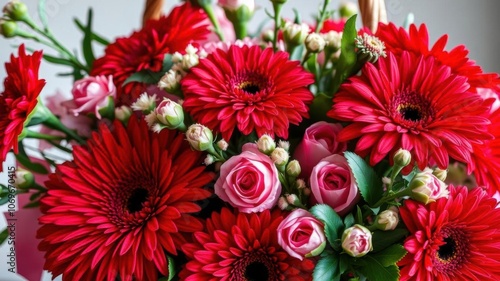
388	219
301	235
235	5
357	241
91	94
427	188
249	181
170	114
280	156
266	144
199	137
282	203
333	183
320	141
222	145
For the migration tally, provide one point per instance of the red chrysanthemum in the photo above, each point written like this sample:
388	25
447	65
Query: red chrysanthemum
247	88
486	158
455	238
145	49
413	103
121	203
19	99
240	247
416	41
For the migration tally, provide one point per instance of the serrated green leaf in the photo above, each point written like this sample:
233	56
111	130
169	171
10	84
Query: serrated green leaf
3	235
347	59
327	269
344	262
390	255
88	53
369	184
171	268
383	239
144	76
332	221
373	270
349	220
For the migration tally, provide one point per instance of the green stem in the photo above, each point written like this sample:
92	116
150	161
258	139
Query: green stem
390	197
277	23
240	29
56	145
36	135
213	19
54	123
322	16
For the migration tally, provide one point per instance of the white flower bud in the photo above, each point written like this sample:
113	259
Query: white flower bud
315	43
222	145
266	144
280	156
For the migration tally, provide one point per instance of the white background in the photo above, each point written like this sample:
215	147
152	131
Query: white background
473	23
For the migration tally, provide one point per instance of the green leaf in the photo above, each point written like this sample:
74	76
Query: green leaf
383	239
347	59
4	194
369	184
344	262
374	271
167	63
391	255
349	220
88	53
144	76
3	235
333	222
95	37
25	161
171	268
43	14
56	60
327	268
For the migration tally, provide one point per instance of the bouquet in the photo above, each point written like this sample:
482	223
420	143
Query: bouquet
193	149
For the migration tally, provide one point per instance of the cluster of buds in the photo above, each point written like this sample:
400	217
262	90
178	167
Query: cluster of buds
201	138
13	12
333	41
167	114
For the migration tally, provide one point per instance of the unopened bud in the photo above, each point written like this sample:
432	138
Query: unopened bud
24	179
292	199
170	114
16	10
222	145
266	144
284	144
306	191
402	158
440	174
8	28
280	156
293	168
267	36
301	184
208	160
333	40
170	82
388	219
123	113
200	137
282	203
315	43
348	9
357	241
426	187
295	34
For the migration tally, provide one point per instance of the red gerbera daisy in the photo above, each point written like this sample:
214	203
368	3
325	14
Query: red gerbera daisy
239	247
452	239
416	41
248	89
413	103
145	49
121	203
19	99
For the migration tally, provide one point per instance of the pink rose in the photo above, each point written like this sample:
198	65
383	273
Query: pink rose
320	141
301	235
234	5
357	241
93	93
333	183
249	181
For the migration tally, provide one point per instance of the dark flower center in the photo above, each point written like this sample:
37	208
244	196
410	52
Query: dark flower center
410	113
256	271
250	87
411	110
136	199
453	251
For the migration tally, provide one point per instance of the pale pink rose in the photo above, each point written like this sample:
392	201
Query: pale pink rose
234	5
301	235
357	241
249	181
61	108
319	141
333	183
93	93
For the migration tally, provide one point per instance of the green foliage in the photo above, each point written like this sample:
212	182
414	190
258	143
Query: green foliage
327	268
383	239
25	161
151	77
369	184
347	59
381	266
3	235
332	221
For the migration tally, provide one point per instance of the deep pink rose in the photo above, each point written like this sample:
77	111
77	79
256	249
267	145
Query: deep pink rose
333	183
249	181
93	93
320	141
301	235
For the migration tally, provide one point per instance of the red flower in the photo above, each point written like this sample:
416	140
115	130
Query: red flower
413	103
248	89
452	239
146	48
416	41
241	246
19	99
333	25
121	203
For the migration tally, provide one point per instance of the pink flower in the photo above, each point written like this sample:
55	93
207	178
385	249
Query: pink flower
301	235
357	241
234	5
427	188
249	181
320	141
333	183
93	93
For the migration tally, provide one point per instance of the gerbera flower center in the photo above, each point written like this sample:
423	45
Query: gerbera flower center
453	251
249	87
136	199
254	266
249	84
411	110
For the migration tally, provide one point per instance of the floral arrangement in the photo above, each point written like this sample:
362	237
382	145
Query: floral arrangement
307	151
